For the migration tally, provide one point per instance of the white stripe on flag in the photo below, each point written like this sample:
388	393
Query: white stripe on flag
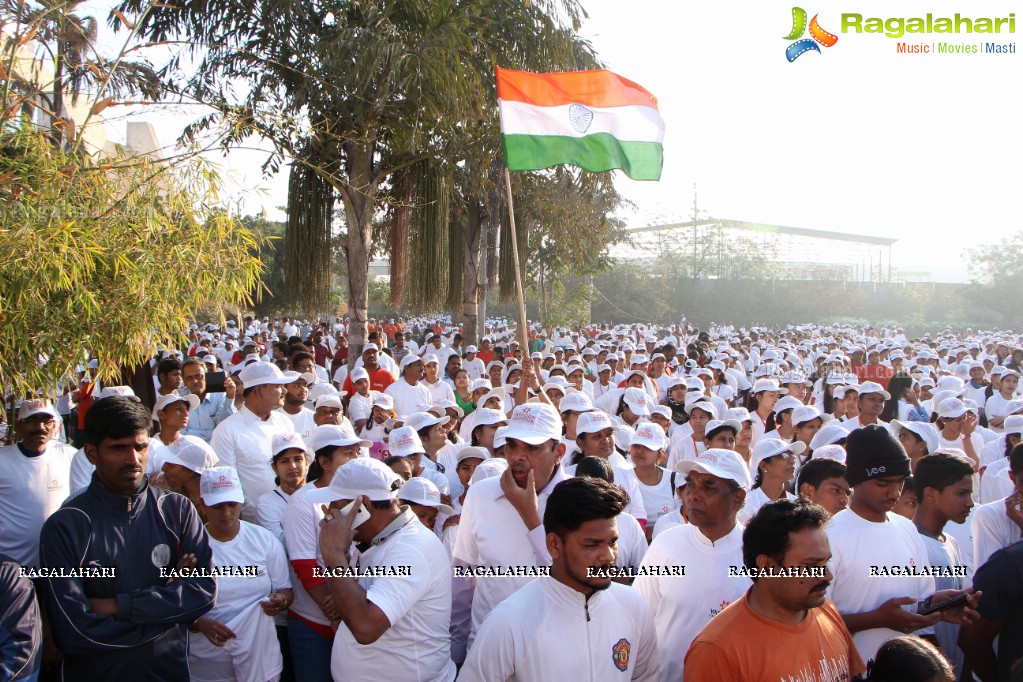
631	123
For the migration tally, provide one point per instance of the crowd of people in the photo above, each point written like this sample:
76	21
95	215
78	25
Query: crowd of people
603	502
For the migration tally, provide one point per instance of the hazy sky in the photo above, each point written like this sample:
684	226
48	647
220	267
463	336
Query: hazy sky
857	138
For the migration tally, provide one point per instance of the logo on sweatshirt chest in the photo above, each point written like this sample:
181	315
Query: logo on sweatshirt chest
160	556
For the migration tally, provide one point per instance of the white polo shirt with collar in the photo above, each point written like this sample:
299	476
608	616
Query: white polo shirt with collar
684	604
243	441
491	534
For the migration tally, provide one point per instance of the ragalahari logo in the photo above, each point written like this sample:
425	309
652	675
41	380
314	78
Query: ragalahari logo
802	45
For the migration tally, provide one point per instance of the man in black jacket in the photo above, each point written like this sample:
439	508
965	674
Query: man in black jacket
114	613
21	631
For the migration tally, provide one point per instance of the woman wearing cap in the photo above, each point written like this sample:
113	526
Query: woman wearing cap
994	408
676	400
806	422
850	396
685	445
718	383
774	465
407	442
831	403
744	438
183	462
290	463
656	483
918	439
764	395
784	429
956	429
423	498
376	428
237	639
171	413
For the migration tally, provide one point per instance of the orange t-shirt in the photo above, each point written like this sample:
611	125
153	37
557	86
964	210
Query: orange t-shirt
739	645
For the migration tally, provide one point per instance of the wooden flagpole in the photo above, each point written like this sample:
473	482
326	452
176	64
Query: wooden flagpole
523	327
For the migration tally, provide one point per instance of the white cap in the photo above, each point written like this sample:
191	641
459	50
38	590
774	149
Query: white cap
767	385
771	447
360	373
662	410
739	414
489	468
264	373
30	408
419	490
649	435
328	400
118	391
286	441
1007	371
220	484
408	360
726	464
950	408
471	349
593	422
786	403
384	401
806	413
828	435
485	416
363	476
868	387
430	359
368	347
927	433
404	441
421	420
733	424
576	402
477	384
636	399
702	402
832	452
534	423
165	400
191	452
1013	424
326	435
472	452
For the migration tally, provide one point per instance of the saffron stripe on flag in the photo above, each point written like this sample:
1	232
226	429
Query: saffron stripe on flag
596	88
595	153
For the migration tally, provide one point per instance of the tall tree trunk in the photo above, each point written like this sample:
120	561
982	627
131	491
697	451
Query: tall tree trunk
359	200
471	231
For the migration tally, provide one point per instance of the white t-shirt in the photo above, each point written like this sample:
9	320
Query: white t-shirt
255	653
683	605
857	545
659	499
417	645
669	520
975	438
992	531
360	407
243	441
439	391
303	421
31	488
526	637
302	540
995	484
409	398
632	544
754	501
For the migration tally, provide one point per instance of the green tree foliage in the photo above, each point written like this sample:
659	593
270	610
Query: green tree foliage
997	271
110	257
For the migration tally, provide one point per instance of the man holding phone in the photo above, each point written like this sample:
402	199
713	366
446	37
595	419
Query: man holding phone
214	407
395	603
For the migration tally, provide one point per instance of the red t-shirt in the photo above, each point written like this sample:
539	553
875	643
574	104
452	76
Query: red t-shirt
487	356
379	380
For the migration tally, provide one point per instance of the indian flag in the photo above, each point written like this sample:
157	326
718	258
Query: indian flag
596	120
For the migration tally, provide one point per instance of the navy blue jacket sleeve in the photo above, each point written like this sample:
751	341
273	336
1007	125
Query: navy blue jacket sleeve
21	631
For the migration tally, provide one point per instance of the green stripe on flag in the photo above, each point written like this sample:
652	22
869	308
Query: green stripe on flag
598	152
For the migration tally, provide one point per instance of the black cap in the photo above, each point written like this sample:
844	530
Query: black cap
873	452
